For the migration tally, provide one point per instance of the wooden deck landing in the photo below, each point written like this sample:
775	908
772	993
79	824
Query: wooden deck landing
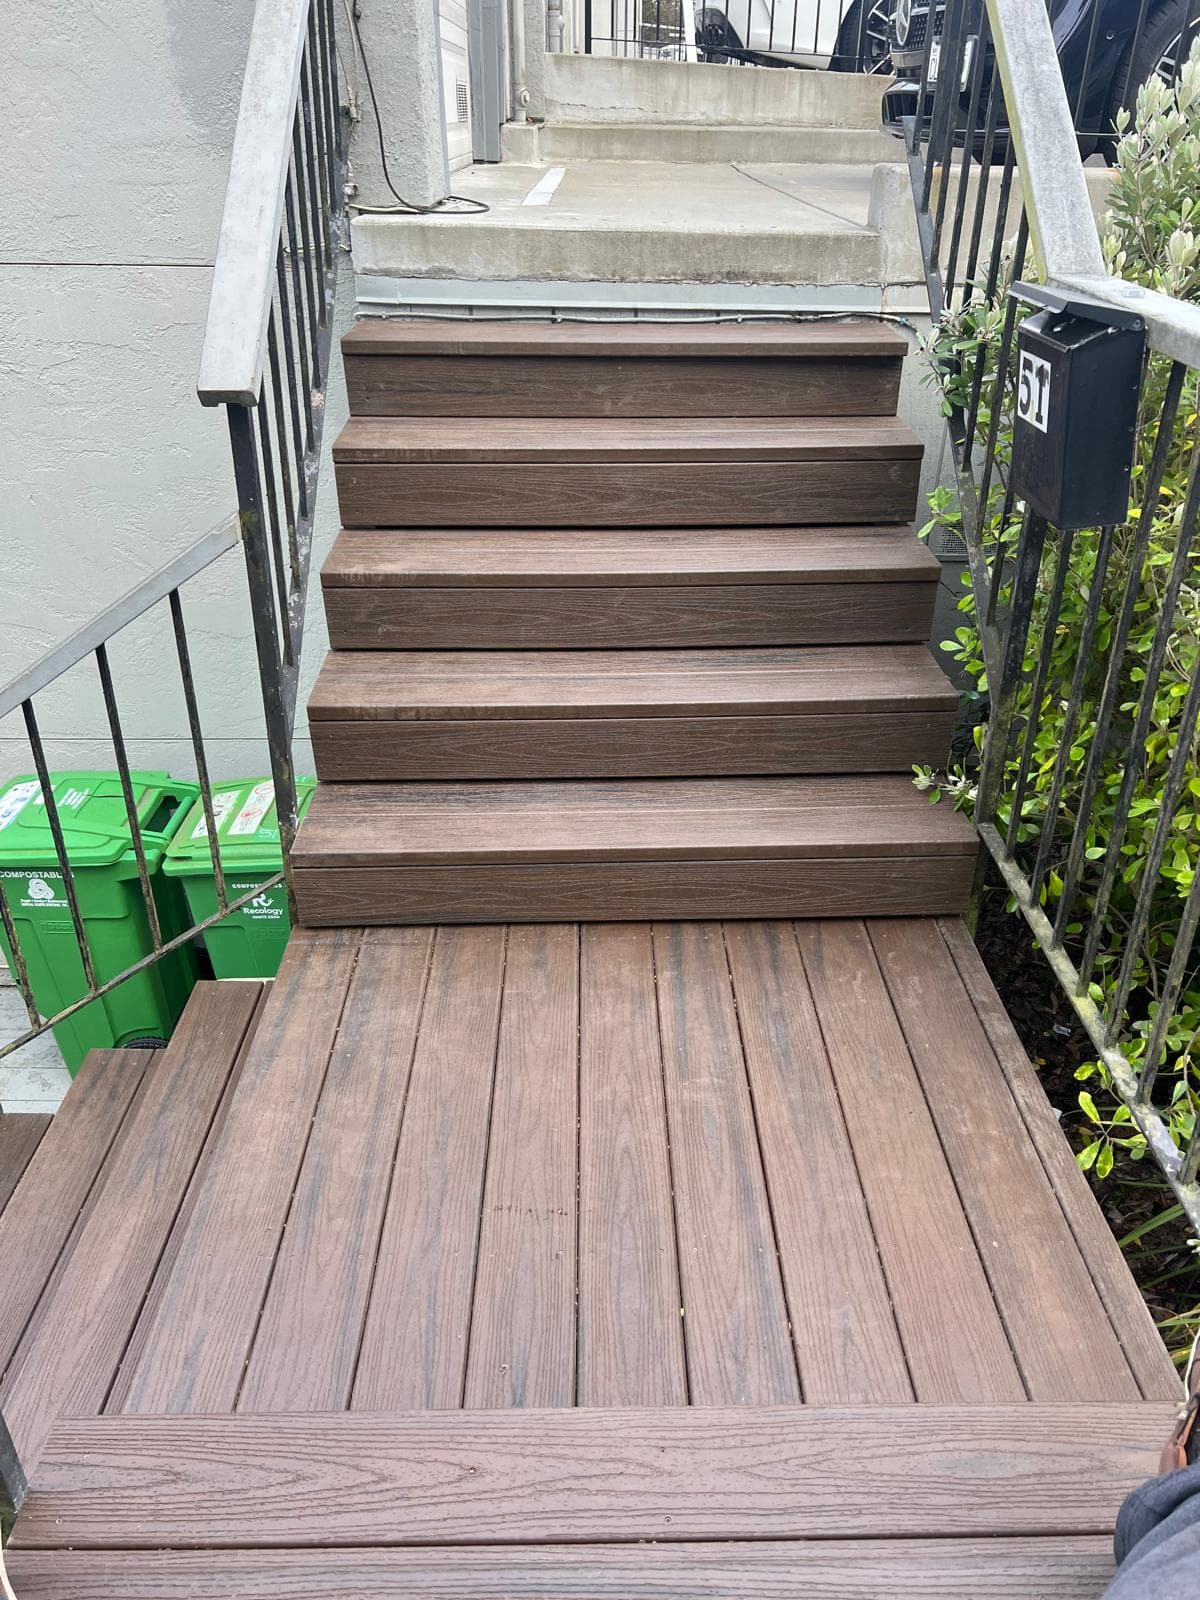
545	1167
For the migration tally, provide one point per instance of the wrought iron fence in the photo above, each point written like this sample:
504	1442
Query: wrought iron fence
845	35
266	360
1089	638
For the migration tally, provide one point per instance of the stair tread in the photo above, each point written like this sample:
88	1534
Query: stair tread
492	684
454	337
520	558
669	439
625	820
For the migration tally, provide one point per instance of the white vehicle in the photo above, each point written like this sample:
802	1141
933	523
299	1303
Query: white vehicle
841	35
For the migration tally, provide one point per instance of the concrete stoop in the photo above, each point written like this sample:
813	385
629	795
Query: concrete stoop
691	142
612	89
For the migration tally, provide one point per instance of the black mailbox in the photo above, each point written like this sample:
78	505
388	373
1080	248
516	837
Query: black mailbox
1079	375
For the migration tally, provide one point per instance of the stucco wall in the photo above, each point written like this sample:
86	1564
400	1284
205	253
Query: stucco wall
115	176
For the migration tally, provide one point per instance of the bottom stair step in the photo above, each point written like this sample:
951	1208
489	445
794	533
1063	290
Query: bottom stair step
629	850
819	1569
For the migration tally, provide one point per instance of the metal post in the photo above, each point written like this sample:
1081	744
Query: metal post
555	26
516	27
266	633
13	1486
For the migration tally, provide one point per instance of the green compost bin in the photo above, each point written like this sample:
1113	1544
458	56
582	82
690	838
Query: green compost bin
91	808
248	943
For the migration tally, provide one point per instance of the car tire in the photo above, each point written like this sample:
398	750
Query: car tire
1141	58
716	40
845	53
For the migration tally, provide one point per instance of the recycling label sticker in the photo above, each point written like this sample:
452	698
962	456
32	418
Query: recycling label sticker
221	807
35	891
15	801
255	807
269	906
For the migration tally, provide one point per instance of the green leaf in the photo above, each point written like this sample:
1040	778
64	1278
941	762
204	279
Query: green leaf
1088	1106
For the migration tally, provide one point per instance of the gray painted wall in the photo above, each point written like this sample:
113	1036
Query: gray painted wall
115	181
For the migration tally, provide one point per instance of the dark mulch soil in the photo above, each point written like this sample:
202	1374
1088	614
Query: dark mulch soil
1165	1266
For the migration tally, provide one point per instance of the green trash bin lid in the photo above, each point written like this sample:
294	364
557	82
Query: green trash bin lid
247	830
91	809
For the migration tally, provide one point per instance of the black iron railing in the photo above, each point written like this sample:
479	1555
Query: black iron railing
1089	651
266	359
847	35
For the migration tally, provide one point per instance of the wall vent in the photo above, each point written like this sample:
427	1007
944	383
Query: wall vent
464	105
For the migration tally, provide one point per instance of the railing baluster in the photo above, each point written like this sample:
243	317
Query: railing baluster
306	336
183	655
1119	643
1037	690
131	813
56	833
289	356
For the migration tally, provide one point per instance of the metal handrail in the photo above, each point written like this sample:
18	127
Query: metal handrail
235	338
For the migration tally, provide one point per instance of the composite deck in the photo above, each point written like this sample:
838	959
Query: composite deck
469	1257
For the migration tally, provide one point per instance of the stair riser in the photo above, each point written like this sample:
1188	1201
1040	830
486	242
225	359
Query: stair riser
636	891
481	386
633	747
639	616
624	494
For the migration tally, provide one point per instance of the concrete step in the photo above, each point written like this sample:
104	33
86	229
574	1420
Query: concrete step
613	89
692	142
643	222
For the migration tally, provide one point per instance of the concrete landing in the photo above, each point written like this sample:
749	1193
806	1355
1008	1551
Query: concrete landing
653	221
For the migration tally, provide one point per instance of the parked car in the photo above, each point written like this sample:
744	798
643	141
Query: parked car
1108	49
842	35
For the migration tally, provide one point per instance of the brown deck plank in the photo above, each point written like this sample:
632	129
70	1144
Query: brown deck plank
197	1335
68	1359
735	1317
847	1344
953	1337
37	1222
1063	1342
747	341
843	1569
516	1476
20	1134
623	493
630	1329
660	440
522	1345
1119	1294
305	1350
569	557
414	1348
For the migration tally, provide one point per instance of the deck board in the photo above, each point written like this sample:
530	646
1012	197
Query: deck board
70	1354
414	1348
953	1337
37	1221
1061	1338
515	1477
20	1135
522	1346
847	1343
630	1344
935	1569
306	1346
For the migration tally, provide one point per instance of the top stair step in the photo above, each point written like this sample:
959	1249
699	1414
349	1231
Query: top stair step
622	369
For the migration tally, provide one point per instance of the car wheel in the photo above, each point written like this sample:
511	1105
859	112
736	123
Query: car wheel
1158	53
866	28
716	39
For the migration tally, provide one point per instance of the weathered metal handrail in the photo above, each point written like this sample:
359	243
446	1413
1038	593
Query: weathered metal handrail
268	338
999	105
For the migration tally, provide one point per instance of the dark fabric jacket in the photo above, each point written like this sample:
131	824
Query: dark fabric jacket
1157	1543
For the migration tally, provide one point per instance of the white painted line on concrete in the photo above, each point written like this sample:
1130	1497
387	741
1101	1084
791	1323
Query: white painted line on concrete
543	190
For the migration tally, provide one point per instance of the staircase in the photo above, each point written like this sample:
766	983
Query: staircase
627	623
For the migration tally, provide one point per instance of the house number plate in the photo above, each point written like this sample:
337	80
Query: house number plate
1033	391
